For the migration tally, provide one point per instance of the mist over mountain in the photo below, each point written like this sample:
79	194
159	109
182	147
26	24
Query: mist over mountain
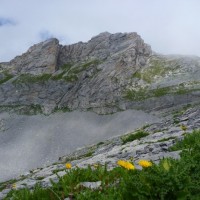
56	98
109	73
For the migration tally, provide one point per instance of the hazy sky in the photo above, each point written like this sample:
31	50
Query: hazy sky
169	26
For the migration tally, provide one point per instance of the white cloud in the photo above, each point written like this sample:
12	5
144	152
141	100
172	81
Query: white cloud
168	26
6	21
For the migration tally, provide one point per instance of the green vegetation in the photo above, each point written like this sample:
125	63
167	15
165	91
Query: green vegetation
61	109
70	78
39	178
24	78
170	179
89	153
6	184
134	136
32	109
156	68
144	93
66	66
166	139
137	95
69	73
58	76
7	77
180	112
182	90
188	141
100	143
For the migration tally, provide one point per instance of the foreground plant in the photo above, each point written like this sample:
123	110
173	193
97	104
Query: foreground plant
169	180
126	165
145	163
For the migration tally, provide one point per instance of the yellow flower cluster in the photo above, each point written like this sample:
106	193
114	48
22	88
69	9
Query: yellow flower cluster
68	165
145	163
125	164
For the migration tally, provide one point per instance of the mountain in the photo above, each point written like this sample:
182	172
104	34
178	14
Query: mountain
109	73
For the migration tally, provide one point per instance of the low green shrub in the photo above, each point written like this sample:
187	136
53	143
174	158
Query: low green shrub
7	77
169	180
188	142
29	78
134	136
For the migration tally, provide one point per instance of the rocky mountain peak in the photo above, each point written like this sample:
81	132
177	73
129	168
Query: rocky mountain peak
40	58
108	73
103	46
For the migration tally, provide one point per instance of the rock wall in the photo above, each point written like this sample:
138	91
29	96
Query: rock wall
110	72
82	76
40	58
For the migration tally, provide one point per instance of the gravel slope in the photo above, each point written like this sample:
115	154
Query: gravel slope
27	142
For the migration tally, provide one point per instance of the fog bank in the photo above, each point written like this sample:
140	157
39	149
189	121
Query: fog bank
34	141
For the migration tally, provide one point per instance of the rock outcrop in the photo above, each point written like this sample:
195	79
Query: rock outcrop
39	59
155	146
111	72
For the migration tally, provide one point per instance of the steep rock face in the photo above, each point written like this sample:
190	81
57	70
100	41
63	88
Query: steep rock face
164	82
120	56
89	75
40	58
155	146
110	72
129	46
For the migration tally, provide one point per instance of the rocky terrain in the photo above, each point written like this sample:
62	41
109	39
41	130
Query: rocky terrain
107	74
154	146
45	138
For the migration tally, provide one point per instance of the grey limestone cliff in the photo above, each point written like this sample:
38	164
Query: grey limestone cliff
110	72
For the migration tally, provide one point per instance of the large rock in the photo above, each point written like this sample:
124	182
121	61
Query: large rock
110	72
129	46
39	59
93	73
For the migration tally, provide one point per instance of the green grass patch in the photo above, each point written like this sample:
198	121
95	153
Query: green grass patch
166	139
145	93
6	184
157	68
87	154
7	77
61	109
161	91
134	136
137	95
169	179
100	143
29	78
66	66
39	178
32	109
58	76
188	142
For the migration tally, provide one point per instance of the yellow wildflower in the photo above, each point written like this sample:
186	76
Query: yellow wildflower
125	164
121	163
68	165
145	163
14	186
